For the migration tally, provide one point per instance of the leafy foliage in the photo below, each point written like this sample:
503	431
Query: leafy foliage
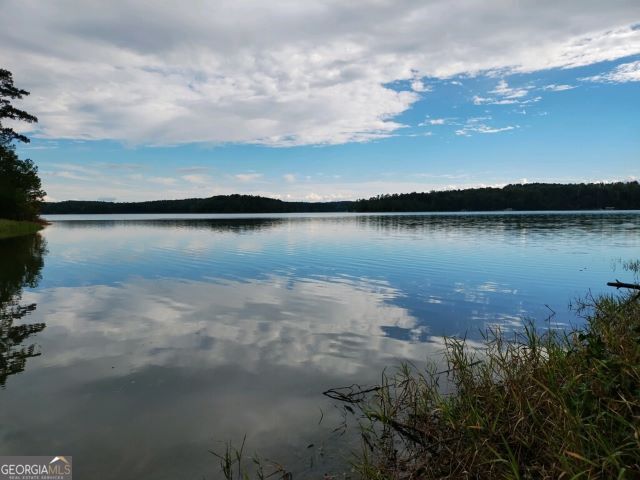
9	92
20	188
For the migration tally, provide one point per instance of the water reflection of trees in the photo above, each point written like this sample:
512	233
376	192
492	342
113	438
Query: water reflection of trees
22	259
543	223
234	225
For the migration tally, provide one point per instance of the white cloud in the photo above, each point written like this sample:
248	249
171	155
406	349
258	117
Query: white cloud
279	73
434	121
197	179
68	175
478	125
167	181
76	168
486	129
314	197
289	177
419	86
627	72
120	166
39	147
503	94
247	177
478	100
558	88
504	90
195	170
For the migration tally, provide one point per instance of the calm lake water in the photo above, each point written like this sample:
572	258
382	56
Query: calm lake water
138	343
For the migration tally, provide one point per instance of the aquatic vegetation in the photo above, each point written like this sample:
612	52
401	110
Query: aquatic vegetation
542	404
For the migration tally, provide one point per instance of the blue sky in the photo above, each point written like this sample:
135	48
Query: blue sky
340	112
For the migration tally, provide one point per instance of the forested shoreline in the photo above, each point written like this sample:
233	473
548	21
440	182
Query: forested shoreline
533	196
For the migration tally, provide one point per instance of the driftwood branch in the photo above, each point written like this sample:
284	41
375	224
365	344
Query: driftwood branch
351	394
617	284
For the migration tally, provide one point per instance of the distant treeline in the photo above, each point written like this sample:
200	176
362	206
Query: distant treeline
532	196
218	204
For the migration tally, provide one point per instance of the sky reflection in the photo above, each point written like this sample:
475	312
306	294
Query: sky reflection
180	366
165	338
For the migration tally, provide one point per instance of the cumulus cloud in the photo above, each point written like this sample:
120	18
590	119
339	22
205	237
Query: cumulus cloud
627	72
504	90
419	86
279	73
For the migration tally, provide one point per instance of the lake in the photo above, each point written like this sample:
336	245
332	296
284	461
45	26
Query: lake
137	343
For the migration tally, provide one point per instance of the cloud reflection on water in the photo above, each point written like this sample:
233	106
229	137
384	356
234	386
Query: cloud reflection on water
177	366
166	337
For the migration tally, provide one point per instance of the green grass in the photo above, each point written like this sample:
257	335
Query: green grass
541	404
13	228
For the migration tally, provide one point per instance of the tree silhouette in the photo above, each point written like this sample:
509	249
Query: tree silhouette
20	187
9	92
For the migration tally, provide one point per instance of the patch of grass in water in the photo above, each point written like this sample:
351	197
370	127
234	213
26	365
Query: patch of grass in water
13	228
235	465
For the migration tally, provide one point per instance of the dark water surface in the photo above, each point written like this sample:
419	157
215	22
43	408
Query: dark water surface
137	343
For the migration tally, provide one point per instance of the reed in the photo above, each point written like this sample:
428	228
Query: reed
534	404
